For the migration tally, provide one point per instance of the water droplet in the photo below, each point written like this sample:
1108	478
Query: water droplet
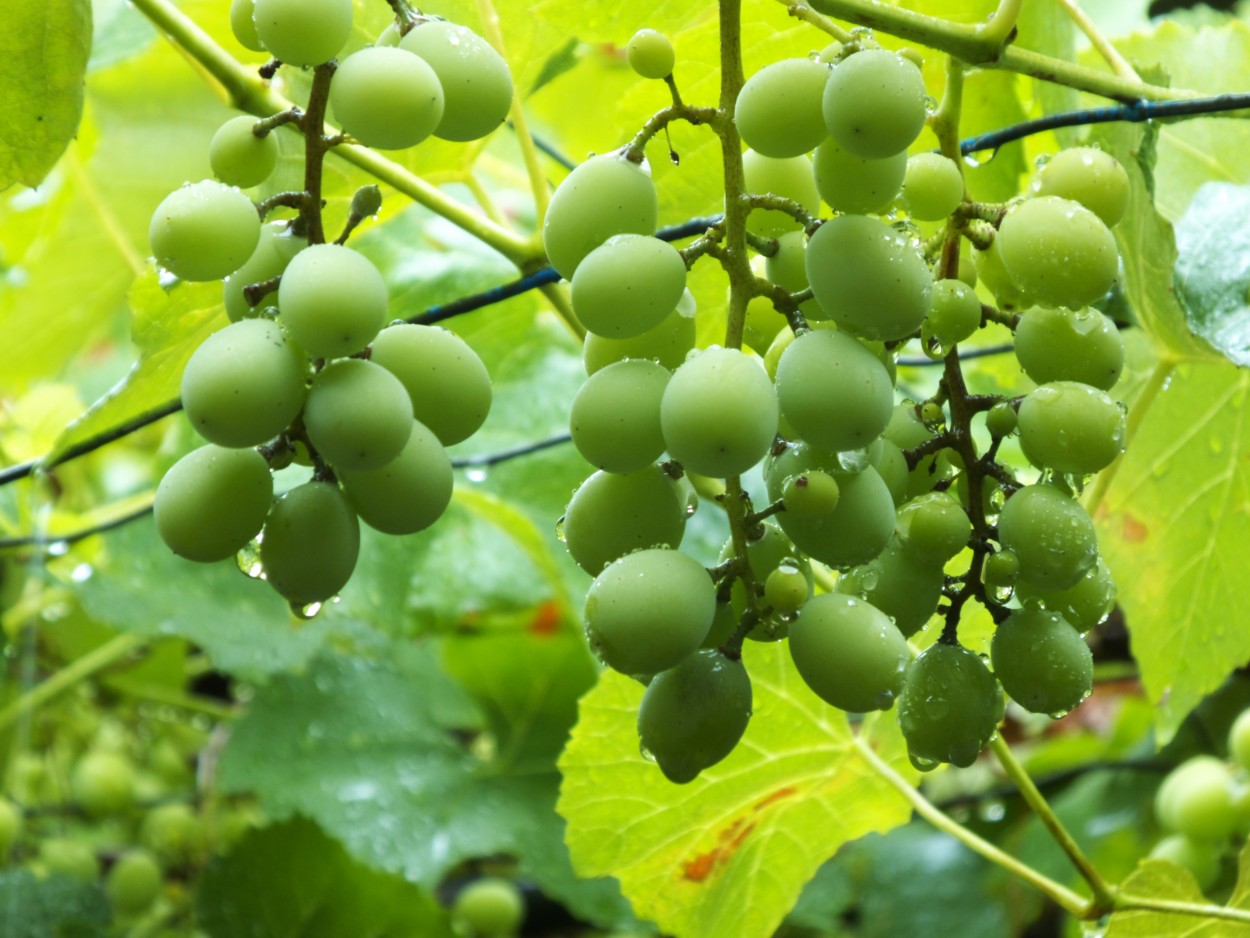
475	474
305	610
248	560
82	573
560	528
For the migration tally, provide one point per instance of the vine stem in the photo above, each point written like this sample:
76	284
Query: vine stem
1125	903
1069	901
1000	25
1104	895
1101	44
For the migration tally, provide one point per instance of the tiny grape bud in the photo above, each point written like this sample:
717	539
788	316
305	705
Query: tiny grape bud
366	202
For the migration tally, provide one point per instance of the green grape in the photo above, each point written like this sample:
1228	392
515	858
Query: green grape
175	833
1071	427
358	415
1085	175
333	300
954	313
615	415
303	32
448	385
849	653
476	83
1042	662
204	231
650	54
1069	345
1058	252
1196	799
851	183
787	267
490	907
874	103
244	384
668	343
1201	858
242	25
834	392
212	502
1084	605
1001	419
611	515
240	158
309	546
1051	534
719	413
649	610
628	285
693	715
407	494
991	272
868	277
933	187
604	196
934	527
790	178
766	554
892	466
811	496
103	783
778	112
134	882
72	858
273	252
1001	569
786	589
1239	740
949	707
386	97
11	824
901	586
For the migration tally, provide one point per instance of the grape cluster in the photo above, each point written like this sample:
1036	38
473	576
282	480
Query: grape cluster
308	370
913	512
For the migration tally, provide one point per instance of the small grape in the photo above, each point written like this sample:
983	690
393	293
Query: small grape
310	543
103	783
240	158
933	187
1058	252
490	907
1071	427
1051	534
204	231
667	343
628	285
849	652
242	25
611	515
476	82
387	97
1086	175
615	415
212	502
358	415
811	496
1001	419
934	527
303	32
1069	345
1196	799
778	112
874	103
1001	569
650	54
851	183
791	178
949	707
786	589
1042	662
766	554
407	494
134	882
954	312
333	300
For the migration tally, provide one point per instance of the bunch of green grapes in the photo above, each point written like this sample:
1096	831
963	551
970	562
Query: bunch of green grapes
307	371
907	517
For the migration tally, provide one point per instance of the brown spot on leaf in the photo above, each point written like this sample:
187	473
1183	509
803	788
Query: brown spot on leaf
1134	531
731	839
546	621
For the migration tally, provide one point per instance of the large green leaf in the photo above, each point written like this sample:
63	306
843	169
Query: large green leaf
1174	526
43	57
1155	879
728	853
1213	269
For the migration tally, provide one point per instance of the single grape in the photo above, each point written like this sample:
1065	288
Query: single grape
1042	662
1085	605
628	285
174	833
849	653
954	313
650	54
851	183
693	715
273	252
387	97
649	610
811	496
778	111
1086	175
1071	427
1058	252
934	527
134	882
901	586
240	158
1001	419
667	343
476	82
358	415
834	392
615	415
1201	858
786	589
212	502
1196	799
611	515
244	384
448	385
204	231
1069	345
1239	740
949	707
490	907
868	277
242	25
310	543
791	178
303	32
407	494
1001	570
933	187
604	196
333	300
103	783
874	103
1051	534
719	413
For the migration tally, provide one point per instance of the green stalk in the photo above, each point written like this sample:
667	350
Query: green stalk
1125	903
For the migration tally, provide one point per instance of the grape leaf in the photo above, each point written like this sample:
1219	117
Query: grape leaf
728	853
1213	270
1159	880
43	57
1174	526
59	905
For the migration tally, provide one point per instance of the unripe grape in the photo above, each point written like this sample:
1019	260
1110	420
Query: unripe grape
448	385
1058	252
1196	799
604	196
791	178
1001	569
628	285
1202	859
901	586
1085	175
849	653
933	187
949	707
778	111
1042	662
303	32
649	610
612	515
175	833
786	589
667	343
1001	419
134	882
851	183
874	103
650	54
212	502
813	495
204	231
358	415
1051	534
1239	740
1084	605
244	384
476	82
1071	427
934	527
242	25
719	413
692	716
273	252
386	97
490	907
103	783
954	312
1069	345
615	415
771	551
407	494
333	300
310	543
239	157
